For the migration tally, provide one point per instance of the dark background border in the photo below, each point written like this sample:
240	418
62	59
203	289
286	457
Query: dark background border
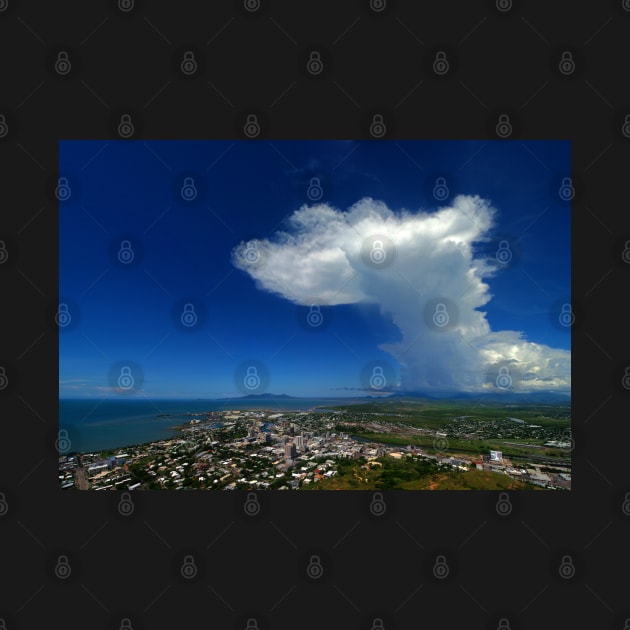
504	58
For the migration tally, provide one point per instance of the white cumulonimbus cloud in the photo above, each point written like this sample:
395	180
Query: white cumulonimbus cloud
321	255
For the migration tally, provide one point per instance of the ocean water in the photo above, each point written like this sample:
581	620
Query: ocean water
96	425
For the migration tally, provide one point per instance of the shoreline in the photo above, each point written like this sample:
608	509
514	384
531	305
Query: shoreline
160	417
277	449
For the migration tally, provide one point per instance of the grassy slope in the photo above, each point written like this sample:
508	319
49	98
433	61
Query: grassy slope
402	476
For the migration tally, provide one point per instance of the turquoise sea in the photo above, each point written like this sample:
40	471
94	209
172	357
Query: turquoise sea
96	425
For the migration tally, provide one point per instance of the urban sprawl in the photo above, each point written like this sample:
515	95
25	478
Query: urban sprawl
257	450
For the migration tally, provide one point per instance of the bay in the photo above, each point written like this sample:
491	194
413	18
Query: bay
107	424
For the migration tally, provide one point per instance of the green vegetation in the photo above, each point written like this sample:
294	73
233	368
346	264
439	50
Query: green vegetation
434	412
518	430
212	454
412	473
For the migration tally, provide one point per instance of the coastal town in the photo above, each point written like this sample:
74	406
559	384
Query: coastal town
263	449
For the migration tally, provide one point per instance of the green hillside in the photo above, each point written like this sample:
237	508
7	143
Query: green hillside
386	473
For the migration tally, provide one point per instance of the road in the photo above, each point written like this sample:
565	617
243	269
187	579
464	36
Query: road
80	479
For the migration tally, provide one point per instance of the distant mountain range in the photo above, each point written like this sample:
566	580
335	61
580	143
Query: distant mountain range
542	397
550	397
260	397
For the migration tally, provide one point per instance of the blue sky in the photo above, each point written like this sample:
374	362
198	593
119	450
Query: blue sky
186	252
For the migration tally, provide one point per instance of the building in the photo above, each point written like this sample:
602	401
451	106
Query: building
120	458
289	450
98	467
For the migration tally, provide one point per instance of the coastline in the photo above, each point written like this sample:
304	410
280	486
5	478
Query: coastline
107	424
272	449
